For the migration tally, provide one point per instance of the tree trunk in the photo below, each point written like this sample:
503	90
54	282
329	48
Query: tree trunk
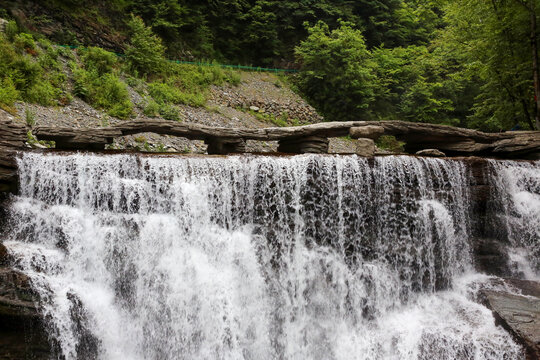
534	48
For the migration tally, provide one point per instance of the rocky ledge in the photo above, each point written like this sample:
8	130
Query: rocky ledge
518	311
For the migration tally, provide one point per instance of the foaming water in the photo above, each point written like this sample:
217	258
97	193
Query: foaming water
516	196
307	257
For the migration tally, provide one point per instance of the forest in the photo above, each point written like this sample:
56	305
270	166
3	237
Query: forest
469	63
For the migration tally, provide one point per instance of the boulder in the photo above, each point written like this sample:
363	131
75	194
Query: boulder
368	131
518	314
365	147
431	152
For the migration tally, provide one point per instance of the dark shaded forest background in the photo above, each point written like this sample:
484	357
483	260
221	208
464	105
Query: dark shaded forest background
469	63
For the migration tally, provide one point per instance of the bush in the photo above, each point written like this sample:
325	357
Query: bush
151	109
25	42
11	30
169	112
103	91
35	80
42	92
8	94
162	93
166	93
101	60
145	54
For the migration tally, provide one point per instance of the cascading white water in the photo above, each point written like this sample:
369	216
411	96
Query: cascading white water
517	200
305	257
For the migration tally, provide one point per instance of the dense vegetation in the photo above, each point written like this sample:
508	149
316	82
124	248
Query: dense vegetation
33	71
461	62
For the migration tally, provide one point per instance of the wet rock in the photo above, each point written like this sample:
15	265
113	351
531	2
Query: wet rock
22	334
491	257
431	152
518	314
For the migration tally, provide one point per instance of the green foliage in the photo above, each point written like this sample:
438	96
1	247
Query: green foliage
390	143
97	83
463	62
104	91
8	94
43	93
11	30
98	59
24	42
145	53
30	117
29	72
336	63
492	39
151	109
412	85
186	84
282	120
169	112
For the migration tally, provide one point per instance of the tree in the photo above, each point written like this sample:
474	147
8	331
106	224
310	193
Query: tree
336	72
494	36
145	53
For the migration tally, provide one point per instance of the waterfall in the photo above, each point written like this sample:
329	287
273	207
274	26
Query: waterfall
252	257
516	201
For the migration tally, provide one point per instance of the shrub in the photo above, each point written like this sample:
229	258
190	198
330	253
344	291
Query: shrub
101	60
145	54
162	93
8	94
38	80
11	30
42	92
24	42
169	112
233	77
103	91
25	72
151	109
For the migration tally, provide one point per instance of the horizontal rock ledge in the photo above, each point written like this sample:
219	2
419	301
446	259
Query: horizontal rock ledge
417	136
